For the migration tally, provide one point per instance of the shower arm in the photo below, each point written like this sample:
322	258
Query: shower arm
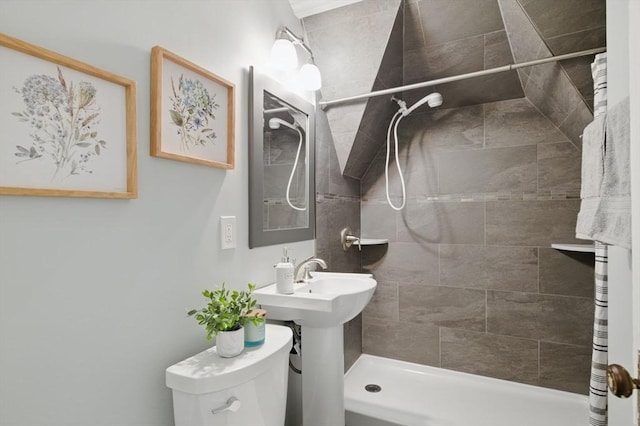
325	104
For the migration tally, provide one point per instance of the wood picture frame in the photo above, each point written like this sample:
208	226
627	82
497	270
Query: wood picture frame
192	112
69	128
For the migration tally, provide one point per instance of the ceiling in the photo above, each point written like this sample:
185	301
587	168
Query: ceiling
304	8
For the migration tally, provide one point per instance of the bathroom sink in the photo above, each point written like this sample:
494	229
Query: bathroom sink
328	299
321	305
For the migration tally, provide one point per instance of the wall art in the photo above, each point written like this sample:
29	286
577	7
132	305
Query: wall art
192	112
68	128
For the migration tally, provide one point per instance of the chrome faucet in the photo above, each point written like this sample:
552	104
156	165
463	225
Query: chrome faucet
301	273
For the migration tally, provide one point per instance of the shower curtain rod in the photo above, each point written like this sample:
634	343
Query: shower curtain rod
325	104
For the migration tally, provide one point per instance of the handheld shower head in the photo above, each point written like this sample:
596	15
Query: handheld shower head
432	99
275	123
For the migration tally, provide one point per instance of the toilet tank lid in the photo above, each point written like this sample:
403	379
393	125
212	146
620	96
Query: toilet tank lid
208	372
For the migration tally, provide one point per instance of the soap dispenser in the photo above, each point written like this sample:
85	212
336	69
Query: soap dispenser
284	274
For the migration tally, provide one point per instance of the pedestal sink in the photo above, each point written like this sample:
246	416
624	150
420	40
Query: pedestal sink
321	306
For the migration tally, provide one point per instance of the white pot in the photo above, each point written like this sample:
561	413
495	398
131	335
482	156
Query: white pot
230	343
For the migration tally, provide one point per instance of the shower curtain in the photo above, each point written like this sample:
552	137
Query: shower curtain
599	357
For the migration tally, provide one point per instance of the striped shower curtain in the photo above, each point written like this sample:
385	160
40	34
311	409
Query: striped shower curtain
599	358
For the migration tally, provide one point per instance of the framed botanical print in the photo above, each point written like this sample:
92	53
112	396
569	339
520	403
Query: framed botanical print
192	112
69	128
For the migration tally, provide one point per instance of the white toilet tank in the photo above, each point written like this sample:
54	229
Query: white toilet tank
253	385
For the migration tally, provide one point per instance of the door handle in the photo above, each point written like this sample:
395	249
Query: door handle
620	382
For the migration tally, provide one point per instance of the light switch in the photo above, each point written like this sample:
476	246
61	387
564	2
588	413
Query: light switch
227	232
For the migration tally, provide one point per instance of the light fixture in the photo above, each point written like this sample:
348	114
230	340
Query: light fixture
284	57
309	77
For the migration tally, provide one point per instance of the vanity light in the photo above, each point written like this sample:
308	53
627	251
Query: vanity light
284	57
309	77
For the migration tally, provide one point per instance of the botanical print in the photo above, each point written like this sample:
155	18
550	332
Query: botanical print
192	108
63	117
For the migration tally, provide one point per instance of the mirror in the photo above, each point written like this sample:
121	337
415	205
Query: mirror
282	164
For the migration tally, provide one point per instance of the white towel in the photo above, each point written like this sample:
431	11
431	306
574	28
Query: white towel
593	144
605	211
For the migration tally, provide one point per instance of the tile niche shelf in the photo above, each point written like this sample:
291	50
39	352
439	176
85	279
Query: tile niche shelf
584	248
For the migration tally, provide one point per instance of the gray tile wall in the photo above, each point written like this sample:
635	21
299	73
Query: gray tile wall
446	38
490	186
337	206
279	159
468	280
549	86
358	47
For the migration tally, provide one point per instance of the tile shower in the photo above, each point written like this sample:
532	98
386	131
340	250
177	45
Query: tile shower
468	280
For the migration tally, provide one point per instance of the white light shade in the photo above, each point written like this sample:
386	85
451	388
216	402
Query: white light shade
283	55
310	78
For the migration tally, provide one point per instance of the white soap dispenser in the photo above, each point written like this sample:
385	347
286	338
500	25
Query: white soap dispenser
284	274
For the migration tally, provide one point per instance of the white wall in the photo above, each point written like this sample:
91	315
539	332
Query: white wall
94	292
621	317
634	91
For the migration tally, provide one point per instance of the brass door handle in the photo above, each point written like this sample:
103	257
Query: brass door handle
620	382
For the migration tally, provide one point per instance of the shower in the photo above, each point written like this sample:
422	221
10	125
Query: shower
276	123
433	100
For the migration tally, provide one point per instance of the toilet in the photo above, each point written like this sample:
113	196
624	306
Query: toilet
249	389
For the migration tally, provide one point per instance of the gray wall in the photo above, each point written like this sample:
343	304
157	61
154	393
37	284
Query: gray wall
280	149
468	281
549	86
337	206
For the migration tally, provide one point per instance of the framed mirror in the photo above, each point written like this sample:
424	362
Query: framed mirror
282	164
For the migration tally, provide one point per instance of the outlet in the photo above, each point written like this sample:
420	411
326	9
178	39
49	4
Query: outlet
227	232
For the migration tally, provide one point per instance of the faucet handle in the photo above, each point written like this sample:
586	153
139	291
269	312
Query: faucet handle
306	273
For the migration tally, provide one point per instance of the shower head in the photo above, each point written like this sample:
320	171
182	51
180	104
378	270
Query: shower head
275	123
432	99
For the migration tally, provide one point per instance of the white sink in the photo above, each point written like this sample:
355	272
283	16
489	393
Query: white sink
321	306
328	299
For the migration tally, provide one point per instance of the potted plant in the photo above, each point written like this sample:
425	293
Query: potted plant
224	316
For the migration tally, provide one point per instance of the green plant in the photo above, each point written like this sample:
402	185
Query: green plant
226	310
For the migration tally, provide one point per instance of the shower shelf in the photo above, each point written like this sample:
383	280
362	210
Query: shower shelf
371	241
584	248
347	239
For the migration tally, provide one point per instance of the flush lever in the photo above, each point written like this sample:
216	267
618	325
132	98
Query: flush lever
232	404
620	382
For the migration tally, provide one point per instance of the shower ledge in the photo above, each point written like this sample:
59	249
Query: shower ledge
371	241
584	248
